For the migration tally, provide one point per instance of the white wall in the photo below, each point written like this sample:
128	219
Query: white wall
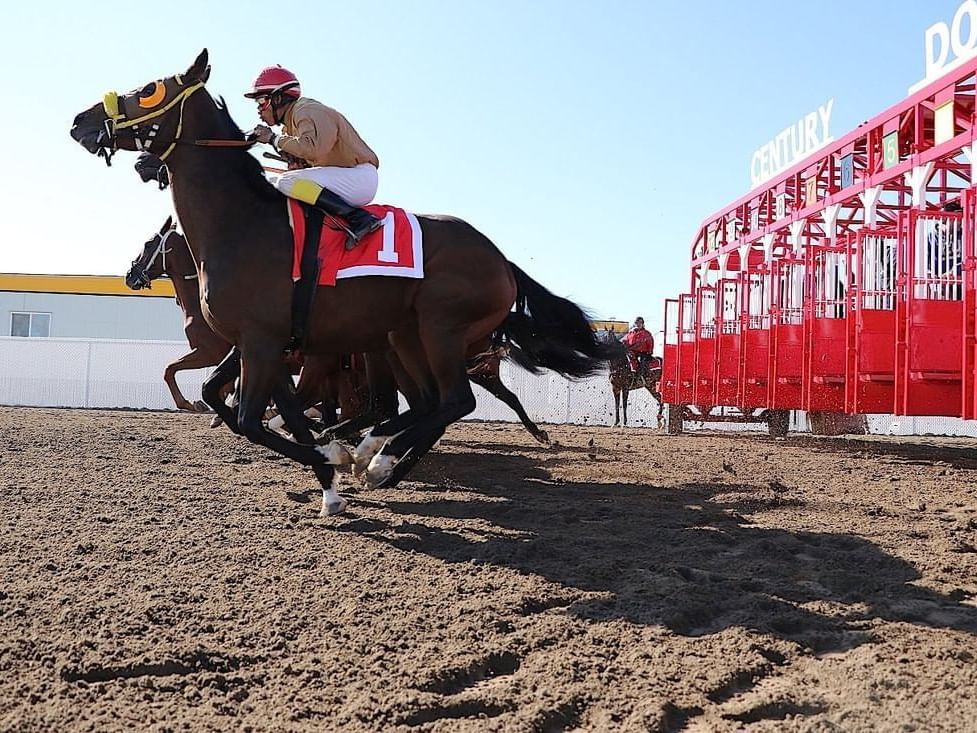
98	316
59	372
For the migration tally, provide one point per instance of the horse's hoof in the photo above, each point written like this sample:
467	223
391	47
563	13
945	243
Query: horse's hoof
543	437
379	470
334	507
216	421
335	453
201	406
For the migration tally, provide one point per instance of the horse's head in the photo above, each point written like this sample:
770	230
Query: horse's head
151	262
146	119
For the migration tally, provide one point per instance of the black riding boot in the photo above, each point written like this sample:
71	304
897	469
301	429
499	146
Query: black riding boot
361	222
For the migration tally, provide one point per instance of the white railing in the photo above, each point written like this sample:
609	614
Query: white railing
103	373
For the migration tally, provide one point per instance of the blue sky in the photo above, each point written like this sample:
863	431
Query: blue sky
587	139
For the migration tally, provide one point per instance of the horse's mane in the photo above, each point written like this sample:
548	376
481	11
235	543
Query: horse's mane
245	164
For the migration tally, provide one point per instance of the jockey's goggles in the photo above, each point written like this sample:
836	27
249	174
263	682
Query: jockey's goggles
263	102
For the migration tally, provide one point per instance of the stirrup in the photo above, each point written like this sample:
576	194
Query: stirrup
352	238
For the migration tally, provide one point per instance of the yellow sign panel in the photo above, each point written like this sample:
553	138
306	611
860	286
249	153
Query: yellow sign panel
615	326
80	285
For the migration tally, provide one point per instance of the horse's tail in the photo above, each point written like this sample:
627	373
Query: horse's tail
546	331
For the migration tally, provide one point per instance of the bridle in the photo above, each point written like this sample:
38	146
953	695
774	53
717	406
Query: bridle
117	121
141	271
144	134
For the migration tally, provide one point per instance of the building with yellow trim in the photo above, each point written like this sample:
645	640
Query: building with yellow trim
87	306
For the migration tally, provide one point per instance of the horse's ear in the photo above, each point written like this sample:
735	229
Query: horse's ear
198	69
206	75
166	225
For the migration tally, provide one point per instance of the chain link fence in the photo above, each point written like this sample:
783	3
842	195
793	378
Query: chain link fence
104	373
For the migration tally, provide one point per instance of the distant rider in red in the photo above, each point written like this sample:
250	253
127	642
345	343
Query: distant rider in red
640	345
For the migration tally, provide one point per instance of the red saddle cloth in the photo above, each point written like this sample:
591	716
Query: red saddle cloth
394	250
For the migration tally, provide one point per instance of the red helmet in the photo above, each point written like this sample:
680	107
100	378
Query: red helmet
275	79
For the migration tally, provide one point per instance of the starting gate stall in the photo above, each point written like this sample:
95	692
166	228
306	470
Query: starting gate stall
826	308
705	345
685	367
670	381
786	334
970	307
755	338
929	314
870	386
728	346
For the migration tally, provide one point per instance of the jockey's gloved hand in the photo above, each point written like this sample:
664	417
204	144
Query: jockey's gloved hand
262	134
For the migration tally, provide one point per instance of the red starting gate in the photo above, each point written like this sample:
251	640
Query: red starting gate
847	282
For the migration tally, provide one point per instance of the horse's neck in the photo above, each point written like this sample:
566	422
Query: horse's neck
208	191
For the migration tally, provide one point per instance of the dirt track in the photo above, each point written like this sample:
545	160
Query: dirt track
156	573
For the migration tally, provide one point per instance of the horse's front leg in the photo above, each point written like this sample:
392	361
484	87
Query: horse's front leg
196	358
263	376
617	406
624	404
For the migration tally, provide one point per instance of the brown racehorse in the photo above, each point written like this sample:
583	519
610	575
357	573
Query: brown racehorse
167	253
623	381
328	382
337	383
237	227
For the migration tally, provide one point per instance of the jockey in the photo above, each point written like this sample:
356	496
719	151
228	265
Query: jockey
342	170
640	344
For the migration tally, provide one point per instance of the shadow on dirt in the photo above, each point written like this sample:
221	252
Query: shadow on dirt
677	556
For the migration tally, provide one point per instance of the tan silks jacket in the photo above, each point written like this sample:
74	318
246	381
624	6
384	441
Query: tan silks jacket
322	136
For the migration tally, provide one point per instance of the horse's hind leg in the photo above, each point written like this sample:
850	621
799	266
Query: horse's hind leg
624	404
445	352
412	375
492	383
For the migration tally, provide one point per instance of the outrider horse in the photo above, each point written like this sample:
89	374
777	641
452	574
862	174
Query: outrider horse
237	227
624	380
329	382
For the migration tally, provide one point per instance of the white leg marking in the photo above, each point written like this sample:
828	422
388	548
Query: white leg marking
368	447
332	502
335	453
380	469
276	423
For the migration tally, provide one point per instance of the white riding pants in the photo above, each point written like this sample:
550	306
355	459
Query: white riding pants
357	186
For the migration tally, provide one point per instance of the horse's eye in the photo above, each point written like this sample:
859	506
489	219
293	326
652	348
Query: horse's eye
152	94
